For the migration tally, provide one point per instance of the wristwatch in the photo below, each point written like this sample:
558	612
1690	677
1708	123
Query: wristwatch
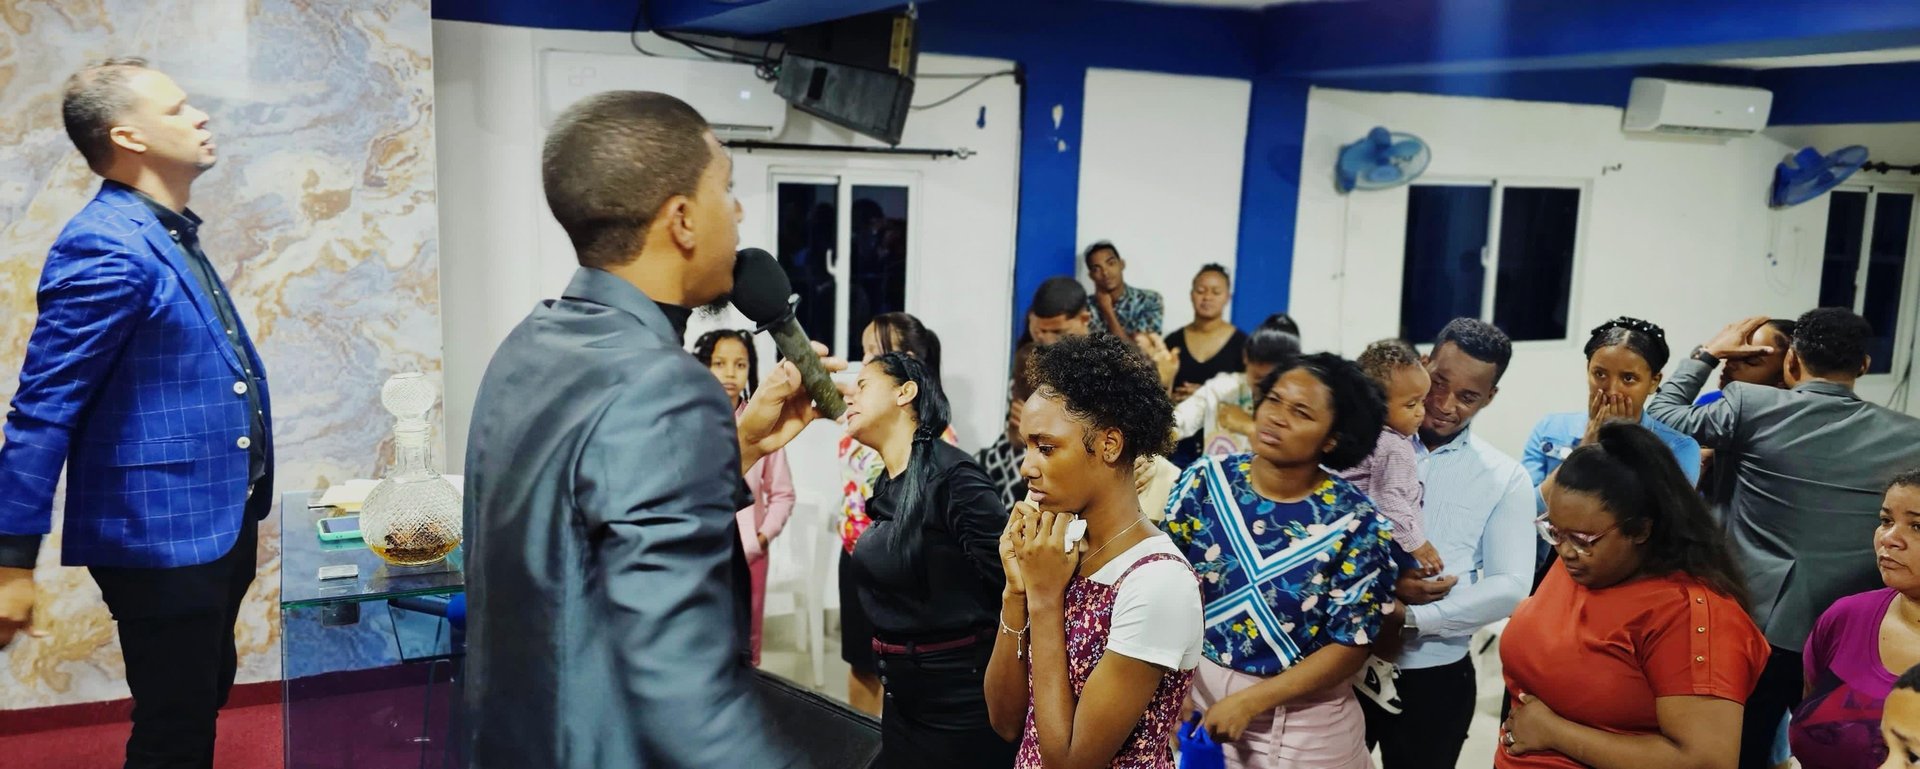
1700	354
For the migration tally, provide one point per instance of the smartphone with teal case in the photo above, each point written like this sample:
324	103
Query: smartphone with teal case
338	528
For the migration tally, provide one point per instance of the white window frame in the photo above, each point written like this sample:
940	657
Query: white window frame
1903	334
1490	251
844	179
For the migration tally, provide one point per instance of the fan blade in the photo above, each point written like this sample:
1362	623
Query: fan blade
1406	148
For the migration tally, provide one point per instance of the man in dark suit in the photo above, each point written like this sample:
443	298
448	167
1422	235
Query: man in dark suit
141	381
603	472
1811	465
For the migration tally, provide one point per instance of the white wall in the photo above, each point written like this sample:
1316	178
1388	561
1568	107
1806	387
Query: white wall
1897	143
1160	164
1676	231
503	252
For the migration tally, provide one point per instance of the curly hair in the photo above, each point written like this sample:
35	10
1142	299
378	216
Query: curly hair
1832	340
1107	384
703	351
1636	478
1909	479
1645	339
1359	405
1382	359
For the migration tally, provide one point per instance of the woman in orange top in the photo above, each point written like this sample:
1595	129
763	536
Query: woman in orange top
1636	652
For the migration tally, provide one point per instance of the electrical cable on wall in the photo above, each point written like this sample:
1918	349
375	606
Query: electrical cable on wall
978	80
765	66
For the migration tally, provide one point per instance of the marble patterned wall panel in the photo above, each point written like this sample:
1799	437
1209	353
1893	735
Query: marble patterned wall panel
320	216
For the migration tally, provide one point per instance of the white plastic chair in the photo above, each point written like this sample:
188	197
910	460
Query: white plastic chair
797	570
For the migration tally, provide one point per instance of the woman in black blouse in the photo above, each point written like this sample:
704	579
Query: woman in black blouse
1207	347
928	573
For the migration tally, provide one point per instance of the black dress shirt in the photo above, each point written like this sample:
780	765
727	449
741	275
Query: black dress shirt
184	228
952	586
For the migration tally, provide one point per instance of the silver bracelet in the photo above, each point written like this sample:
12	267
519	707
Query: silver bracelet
1019	652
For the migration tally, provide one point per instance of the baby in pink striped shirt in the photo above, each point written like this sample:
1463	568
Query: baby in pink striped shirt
1390	476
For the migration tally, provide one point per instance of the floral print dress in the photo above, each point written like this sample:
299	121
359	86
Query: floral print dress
1089	610
1280	580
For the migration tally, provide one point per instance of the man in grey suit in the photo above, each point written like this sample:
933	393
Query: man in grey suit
1812	463
604	472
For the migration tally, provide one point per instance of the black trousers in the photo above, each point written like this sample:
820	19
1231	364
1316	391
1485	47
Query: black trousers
176	635
935	712
1778	691
1436	709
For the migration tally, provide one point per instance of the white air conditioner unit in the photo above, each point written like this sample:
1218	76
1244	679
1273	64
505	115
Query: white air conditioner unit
735	101
1701	109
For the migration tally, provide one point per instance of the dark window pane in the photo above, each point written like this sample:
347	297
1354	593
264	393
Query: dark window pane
878	282
1886	275
809	215
1846	218
1537	227
1443	277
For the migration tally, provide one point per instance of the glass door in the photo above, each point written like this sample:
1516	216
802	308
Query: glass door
845	240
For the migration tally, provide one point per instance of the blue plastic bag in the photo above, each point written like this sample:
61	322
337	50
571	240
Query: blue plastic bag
1197	748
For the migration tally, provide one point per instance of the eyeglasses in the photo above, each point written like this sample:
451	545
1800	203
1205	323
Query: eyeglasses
1582	542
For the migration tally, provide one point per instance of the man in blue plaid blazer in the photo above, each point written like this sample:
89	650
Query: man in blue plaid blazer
141	381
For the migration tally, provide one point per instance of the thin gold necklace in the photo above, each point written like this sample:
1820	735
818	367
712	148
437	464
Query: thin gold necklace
1112	539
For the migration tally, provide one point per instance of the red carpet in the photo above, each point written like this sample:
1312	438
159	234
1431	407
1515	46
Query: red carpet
249	739
375	719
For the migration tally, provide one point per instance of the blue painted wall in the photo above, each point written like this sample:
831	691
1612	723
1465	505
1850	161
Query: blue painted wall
1875	93
735	17
1055	42
1398	37
1269	196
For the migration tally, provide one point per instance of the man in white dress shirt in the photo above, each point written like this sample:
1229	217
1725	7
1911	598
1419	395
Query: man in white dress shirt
1478	513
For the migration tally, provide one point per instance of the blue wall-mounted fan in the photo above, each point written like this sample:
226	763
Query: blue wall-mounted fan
1380	160
1808	174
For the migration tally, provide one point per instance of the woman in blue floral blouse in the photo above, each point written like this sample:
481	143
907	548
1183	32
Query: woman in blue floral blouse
1295	569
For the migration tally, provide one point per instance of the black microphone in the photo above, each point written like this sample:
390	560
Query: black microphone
762	292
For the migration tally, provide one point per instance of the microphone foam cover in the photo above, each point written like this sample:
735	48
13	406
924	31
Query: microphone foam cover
760	286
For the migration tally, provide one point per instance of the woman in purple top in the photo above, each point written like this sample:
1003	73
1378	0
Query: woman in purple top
1859	642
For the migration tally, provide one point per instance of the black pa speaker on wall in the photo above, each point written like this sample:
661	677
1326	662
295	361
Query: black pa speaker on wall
855	72
872	102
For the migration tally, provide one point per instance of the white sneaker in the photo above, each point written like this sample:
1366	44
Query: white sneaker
1375	682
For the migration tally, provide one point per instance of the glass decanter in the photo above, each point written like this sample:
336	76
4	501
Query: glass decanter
412	518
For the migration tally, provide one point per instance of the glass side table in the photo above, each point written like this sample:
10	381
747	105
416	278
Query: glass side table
367	684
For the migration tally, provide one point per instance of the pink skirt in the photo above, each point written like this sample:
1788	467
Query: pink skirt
1327	731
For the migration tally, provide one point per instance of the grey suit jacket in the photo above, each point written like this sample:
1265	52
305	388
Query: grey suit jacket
600	497
1811	465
